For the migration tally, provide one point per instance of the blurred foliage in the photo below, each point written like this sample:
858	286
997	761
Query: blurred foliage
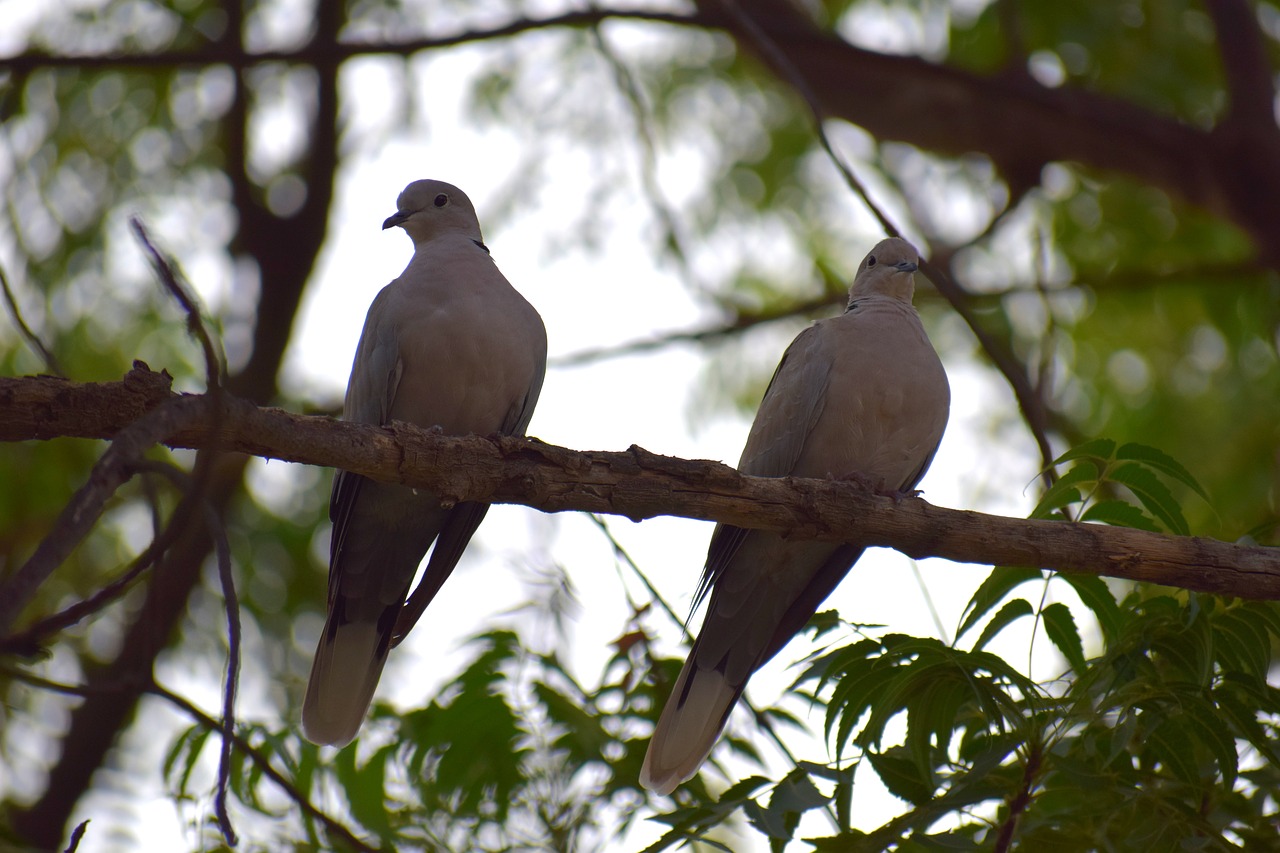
1148	315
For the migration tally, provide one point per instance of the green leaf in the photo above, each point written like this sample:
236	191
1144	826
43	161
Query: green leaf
1189	649
900	683
1097	596
843	795
937	711
1098	448
1065	491
475	736
367	796
1245	635
857	689
1266	611
1120	514
1012	611
191	744
582	734
1001	581
1155	458
1060	625
823	622
1202	720
1245	720
1168	744
1153	494
901	776
795	794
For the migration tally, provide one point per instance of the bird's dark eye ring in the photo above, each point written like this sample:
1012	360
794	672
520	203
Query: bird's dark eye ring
871	261
442	200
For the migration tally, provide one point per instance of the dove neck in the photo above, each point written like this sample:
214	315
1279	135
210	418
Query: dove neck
448	241
895	289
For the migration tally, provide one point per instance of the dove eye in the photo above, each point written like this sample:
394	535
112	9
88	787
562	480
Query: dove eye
871	261
442	200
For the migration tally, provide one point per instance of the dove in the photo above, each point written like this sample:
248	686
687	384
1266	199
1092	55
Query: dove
862	396
450	346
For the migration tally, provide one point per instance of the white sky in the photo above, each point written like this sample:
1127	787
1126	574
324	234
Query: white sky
588	299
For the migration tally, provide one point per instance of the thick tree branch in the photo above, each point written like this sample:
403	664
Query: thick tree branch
1243	49
639	484
1022	125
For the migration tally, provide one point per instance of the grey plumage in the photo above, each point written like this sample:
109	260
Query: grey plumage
860	395
449	344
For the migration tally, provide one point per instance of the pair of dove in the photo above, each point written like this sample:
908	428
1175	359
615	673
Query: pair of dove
450	344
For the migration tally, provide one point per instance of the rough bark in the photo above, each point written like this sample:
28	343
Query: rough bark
638	484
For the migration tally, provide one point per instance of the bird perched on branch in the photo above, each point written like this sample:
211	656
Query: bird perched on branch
448	345
860	396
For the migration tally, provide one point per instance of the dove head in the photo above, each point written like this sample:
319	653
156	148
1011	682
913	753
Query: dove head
887	270
428	209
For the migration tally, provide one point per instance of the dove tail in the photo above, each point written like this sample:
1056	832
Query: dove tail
691	722
344	674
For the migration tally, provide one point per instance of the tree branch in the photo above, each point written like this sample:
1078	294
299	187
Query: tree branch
951	111
933	106
322	52
1243	50
639	484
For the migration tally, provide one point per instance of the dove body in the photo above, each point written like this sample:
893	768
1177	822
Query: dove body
860	396
448	345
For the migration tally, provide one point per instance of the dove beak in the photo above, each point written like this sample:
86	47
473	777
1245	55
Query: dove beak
397	218
902	266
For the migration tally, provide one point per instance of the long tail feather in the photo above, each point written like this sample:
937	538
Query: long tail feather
690	723
344	674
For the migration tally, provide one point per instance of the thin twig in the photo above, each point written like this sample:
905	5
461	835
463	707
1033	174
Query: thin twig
1011	30
648	154
216	53
1243	50
779	59
741	322
76	834
215	363
1019	802
222	551
928	601
50	360
621	553
1222	276
171	279
1029	399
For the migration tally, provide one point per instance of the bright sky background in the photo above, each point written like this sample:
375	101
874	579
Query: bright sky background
589	299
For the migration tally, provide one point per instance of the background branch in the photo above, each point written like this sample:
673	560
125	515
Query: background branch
334	827
33	340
